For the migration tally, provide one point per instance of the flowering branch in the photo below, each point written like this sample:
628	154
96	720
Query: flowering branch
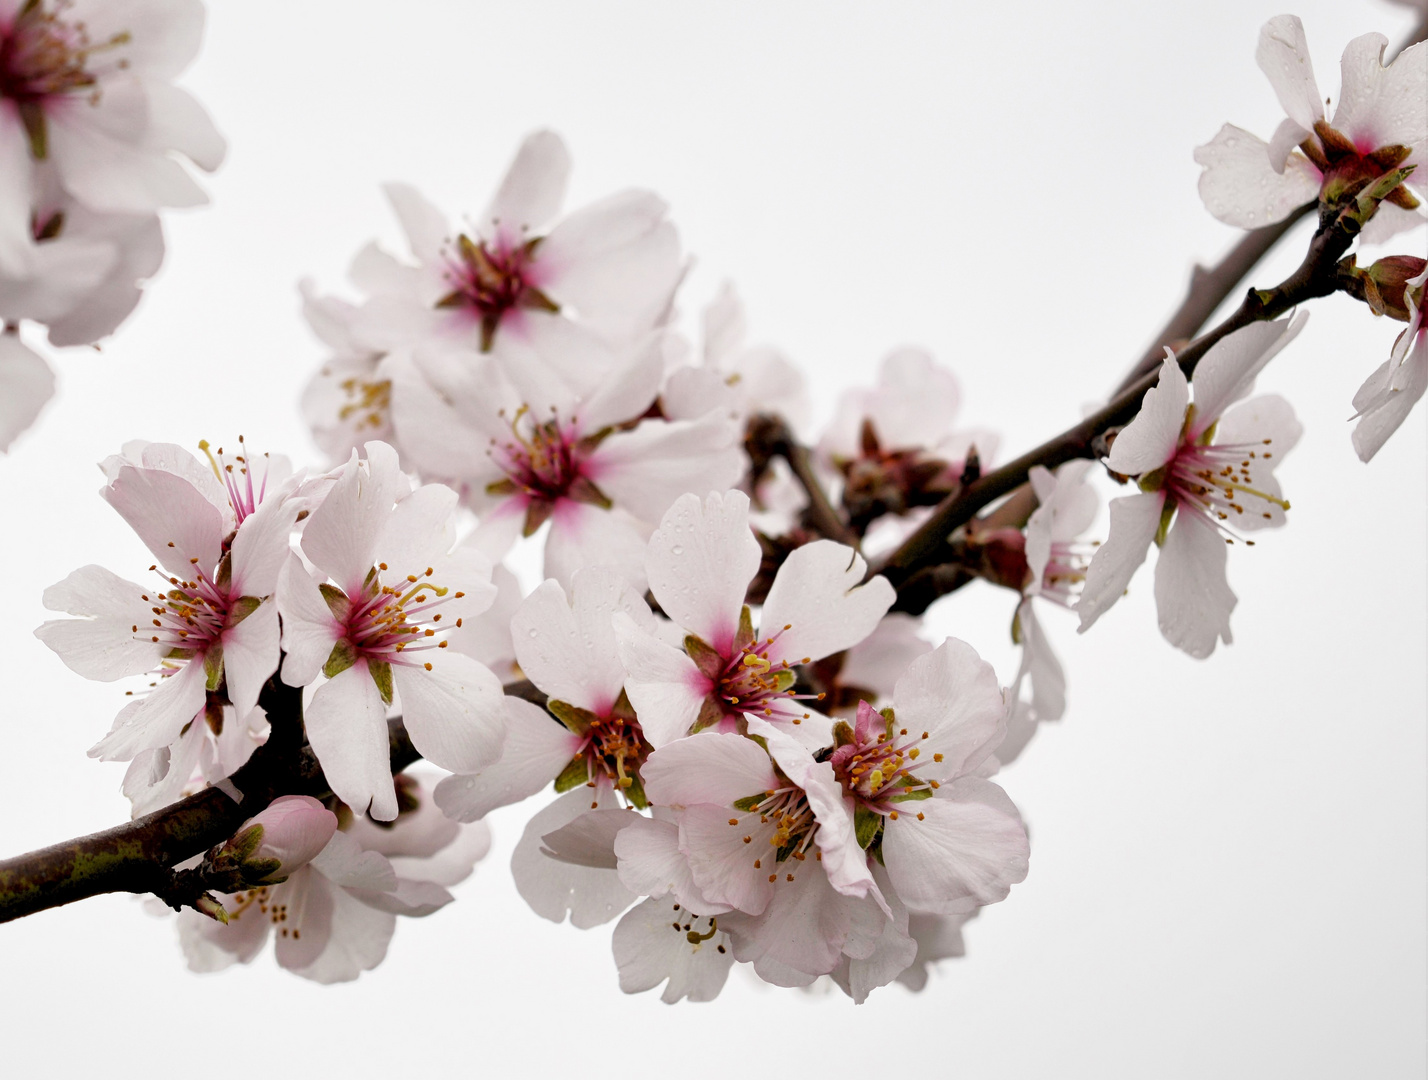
1316	276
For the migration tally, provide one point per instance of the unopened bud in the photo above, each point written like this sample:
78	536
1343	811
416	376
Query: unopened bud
1388	282
282	839
208	904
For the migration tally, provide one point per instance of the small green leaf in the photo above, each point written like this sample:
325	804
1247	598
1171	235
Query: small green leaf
242	608
576	719
867	825
573	775
709	662
213	665
1167	512
342	657
337	601
745	637
916	795
382	676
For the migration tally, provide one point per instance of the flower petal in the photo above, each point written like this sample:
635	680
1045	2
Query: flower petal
27	383
952	695
346	724
536	748
104	644
665	687
1241	185
553	888
819	594
1283	55
1192	597
1134	521
1150	440
454	712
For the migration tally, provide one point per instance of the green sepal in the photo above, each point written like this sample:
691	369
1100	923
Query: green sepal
709	662
913	796
710	713
745	636
1017	634
1152	481
866	824
574	775
224	575
242	608
749	803
261	871
213	665
337	601
1167	512
843	734
784	680
636	792
342	657
179	654
889	719
32	116
382	675
246	842
576	719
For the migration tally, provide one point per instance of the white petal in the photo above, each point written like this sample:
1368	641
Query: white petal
104	645
346	724
535	750
801	930
820	595
878	661
710	767
651	947
967	843
532	189
585	535
952	695
665	687
26	383
1383	106
1283	55
700	561
551	887
426	227
178	122
1150	440
155	720
647	469
1228	371
309	630
174	519
341	535
1267	417
357	941
250	656
572	654
1192	597
454	712
344	862
1134	521
1241	185
650	864
589	840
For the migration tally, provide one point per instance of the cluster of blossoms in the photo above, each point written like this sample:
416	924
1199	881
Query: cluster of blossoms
755	752
91	133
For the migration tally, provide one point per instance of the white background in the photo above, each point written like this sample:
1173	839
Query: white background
1228	872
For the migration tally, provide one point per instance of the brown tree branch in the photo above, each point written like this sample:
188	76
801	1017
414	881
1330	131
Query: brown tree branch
1316	276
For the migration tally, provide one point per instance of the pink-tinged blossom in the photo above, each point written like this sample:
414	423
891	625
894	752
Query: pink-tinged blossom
1056	560
530	449
567	648
1210	469
1389	394
734	377
334	917
700	562
897	447
658	941
1381	123
348	401
522	272
211	748
86	94
205	628
26	385
378	629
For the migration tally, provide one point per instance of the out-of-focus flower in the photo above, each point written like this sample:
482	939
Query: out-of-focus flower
1208	470
1381	124
1389	394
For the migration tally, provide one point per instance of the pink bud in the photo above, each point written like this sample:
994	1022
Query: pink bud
293	830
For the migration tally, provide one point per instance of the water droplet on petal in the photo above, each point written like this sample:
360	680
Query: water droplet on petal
533	632
677	549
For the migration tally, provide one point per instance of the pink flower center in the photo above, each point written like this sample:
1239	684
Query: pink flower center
43	54
755	682
615	748
491	280
793	828
875	759
390	622
542	457
237	479
1065	571
1213	480
189	616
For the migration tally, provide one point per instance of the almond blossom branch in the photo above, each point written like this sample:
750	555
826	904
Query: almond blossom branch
1317	276
138	856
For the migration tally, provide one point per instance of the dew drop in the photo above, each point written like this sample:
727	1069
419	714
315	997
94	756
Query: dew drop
533	632
678	549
